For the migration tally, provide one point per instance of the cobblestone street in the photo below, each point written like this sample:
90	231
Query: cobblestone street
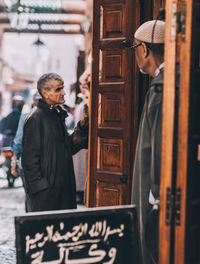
11	204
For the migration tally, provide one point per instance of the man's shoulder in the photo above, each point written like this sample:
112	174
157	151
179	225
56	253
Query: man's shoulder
155	96
34	116
156	87
157	82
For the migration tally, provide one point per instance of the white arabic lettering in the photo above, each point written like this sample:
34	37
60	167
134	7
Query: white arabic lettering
38	256
110	232
112	254
57	261
30	242
77	232
100	230
97	229
96	256
72	244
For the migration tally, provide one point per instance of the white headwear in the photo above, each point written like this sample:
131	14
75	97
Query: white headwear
145	31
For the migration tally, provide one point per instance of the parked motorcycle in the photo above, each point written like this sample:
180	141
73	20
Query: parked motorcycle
5	164
5	161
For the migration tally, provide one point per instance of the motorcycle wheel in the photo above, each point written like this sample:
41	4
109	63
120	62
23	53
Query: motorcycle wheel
10	178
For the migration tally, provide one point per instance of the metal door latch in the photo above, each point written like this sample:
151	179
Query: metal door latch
169	206
178	22
178	207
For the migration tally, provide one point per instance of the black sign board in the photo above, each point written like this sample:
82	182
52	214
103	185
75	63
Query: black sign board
96	235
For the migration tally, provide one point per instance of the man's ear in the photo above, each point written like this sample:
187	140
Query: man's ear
45	94
145	50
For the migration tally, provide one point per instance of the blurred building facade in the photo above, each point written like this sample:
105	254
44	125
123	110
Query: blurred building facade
63	28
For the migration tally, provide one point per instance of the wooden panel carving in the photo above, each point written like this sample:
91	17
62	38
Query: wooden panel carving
112	21
111	111
107	193
110	154
112	65
116	1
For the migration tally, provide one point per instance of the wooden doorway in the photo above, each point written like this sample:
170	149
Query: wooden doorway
179	233
117	98
115	109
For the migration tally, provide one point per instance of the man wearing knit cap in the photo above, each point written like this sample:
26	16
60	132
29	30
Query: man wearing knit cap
149	50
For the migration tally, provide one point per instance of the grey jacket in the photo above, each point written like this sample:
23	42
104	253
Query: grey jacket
146	174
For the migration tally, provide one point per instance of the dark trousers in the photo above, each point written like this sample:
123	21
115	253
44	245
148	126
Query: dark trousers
21	174
151	235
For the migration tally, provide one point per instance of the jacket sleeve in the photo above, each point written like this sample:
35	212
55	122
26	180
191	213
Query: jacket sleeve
31	156
79	139
17	141
155	120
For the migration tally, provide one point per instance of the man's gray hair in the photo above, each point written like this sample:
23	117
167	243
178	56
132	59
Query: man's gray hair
42	83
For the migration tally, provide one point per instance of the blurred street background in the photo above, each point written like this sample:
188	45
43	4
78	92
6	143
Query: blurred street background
11	204
38	37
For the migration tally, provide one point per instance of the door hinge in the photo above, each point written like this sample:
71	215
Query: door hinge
124	178
173	204
169	206
178	207
181	21
173	21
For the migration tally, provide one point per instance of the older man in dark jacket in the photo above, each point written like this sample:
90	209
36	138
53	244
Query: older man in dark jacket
149	50
48	149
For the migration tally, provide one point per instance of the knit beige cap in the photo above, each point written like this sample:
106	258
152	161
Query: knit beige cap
144	32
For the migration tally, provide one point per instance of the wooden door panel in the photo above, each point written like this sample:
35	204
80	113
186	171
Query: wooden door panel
112	24
110	155
108	192
111	110
113	65
104	2
112	133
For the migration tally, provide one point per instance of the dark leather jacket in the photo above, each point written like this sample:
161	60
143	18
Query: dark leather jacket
47	152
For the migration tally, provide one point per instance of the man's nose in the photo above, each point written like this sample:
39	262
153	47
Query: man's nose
63	92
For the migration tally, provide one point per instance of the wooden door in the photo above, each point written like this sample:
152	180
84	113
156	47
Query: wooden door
168	132
187	199
179	231
114	103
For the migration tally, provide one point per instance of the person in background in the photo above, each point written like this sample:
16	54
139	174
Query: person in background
9	124
149	52
81	158
48	148
16	145
69	121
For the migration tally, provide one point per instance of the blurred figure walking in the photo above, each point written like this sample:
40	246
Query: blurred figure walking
9	124
16	145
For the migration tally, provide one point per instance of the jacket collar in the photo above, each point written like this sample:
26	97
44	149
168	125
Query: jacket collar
158	80
59	110
157	71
